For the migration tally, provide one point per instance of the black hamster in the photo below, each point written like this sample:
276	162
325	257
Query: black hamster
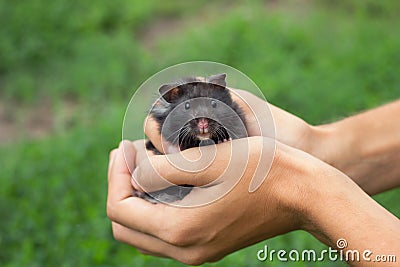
193	112
198	111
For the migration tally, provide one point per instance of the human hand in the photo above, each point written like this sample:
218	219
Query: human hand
300	192
289	129
186	233
365	147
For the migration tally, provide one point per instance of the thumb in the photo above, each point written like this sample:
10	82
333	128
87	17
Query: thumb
119	186
154	135
196	166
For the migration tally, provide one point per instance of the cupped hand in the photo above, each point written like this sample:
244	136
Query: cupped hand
289	129
209	232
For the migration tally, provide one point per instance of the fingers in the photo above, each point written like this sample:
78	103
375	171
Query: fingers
111	160
133	212
139	214
150	129
152	132
141	151
244	100
119	174
189	255
265	119
258	117
122	207
195	166
291	129
153	229
146	243
200	166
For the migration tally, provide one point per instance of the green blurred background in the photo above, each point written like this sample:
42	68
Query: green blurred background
68	69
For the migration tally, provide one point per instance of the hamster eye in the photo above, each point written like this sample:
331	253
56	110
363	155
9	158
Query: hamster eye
213	103
187	105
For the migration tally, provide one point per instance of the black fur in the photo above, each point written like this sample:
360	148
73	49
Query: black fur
224	122
178	125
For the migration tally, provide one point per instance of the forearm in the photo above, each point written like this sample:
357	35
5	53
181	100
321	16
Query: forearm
366	147
338	209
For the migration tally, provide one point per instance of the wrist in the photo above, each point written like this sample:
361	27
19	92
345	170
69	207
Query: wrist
328	204
301	185
314	192
325	202
368	155
336	208
334	144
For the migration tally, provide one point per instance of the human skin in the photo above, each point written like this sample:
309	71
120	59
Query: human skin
365	146
300	192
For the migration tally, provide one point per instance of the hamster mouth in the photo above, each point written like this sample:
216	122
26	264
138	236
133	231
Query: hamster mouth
203	130
200	132
219	136
204	136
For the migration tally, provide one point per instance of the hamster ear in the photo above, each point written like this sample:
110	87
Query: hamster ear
169	91
218	79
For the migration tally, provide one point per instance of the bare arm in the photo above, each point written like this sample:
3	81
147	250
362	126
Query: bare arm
366	147
300	192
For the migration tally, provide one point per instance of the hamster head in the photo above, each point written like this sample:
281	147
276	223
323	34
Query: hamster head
197	111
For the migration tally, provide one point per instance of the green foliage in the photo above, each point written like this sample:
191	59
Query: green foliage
322	60
351	63
76	48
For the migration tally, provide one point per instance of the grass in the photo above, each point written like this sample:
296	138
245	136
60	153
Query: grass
321	60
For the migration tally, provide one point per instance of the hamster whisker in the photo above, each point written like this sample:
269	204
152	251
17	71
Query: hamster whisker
185	136
183	131
220	134
175	132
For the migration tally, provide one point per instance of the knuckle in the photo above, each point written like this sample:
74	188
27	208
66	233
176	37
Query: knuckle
185	229
185	233
117	236
178	238
194	257
117	233
111	211
179	234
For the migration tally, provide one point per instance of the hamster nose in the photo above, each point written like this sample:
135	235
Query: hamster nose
202	124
